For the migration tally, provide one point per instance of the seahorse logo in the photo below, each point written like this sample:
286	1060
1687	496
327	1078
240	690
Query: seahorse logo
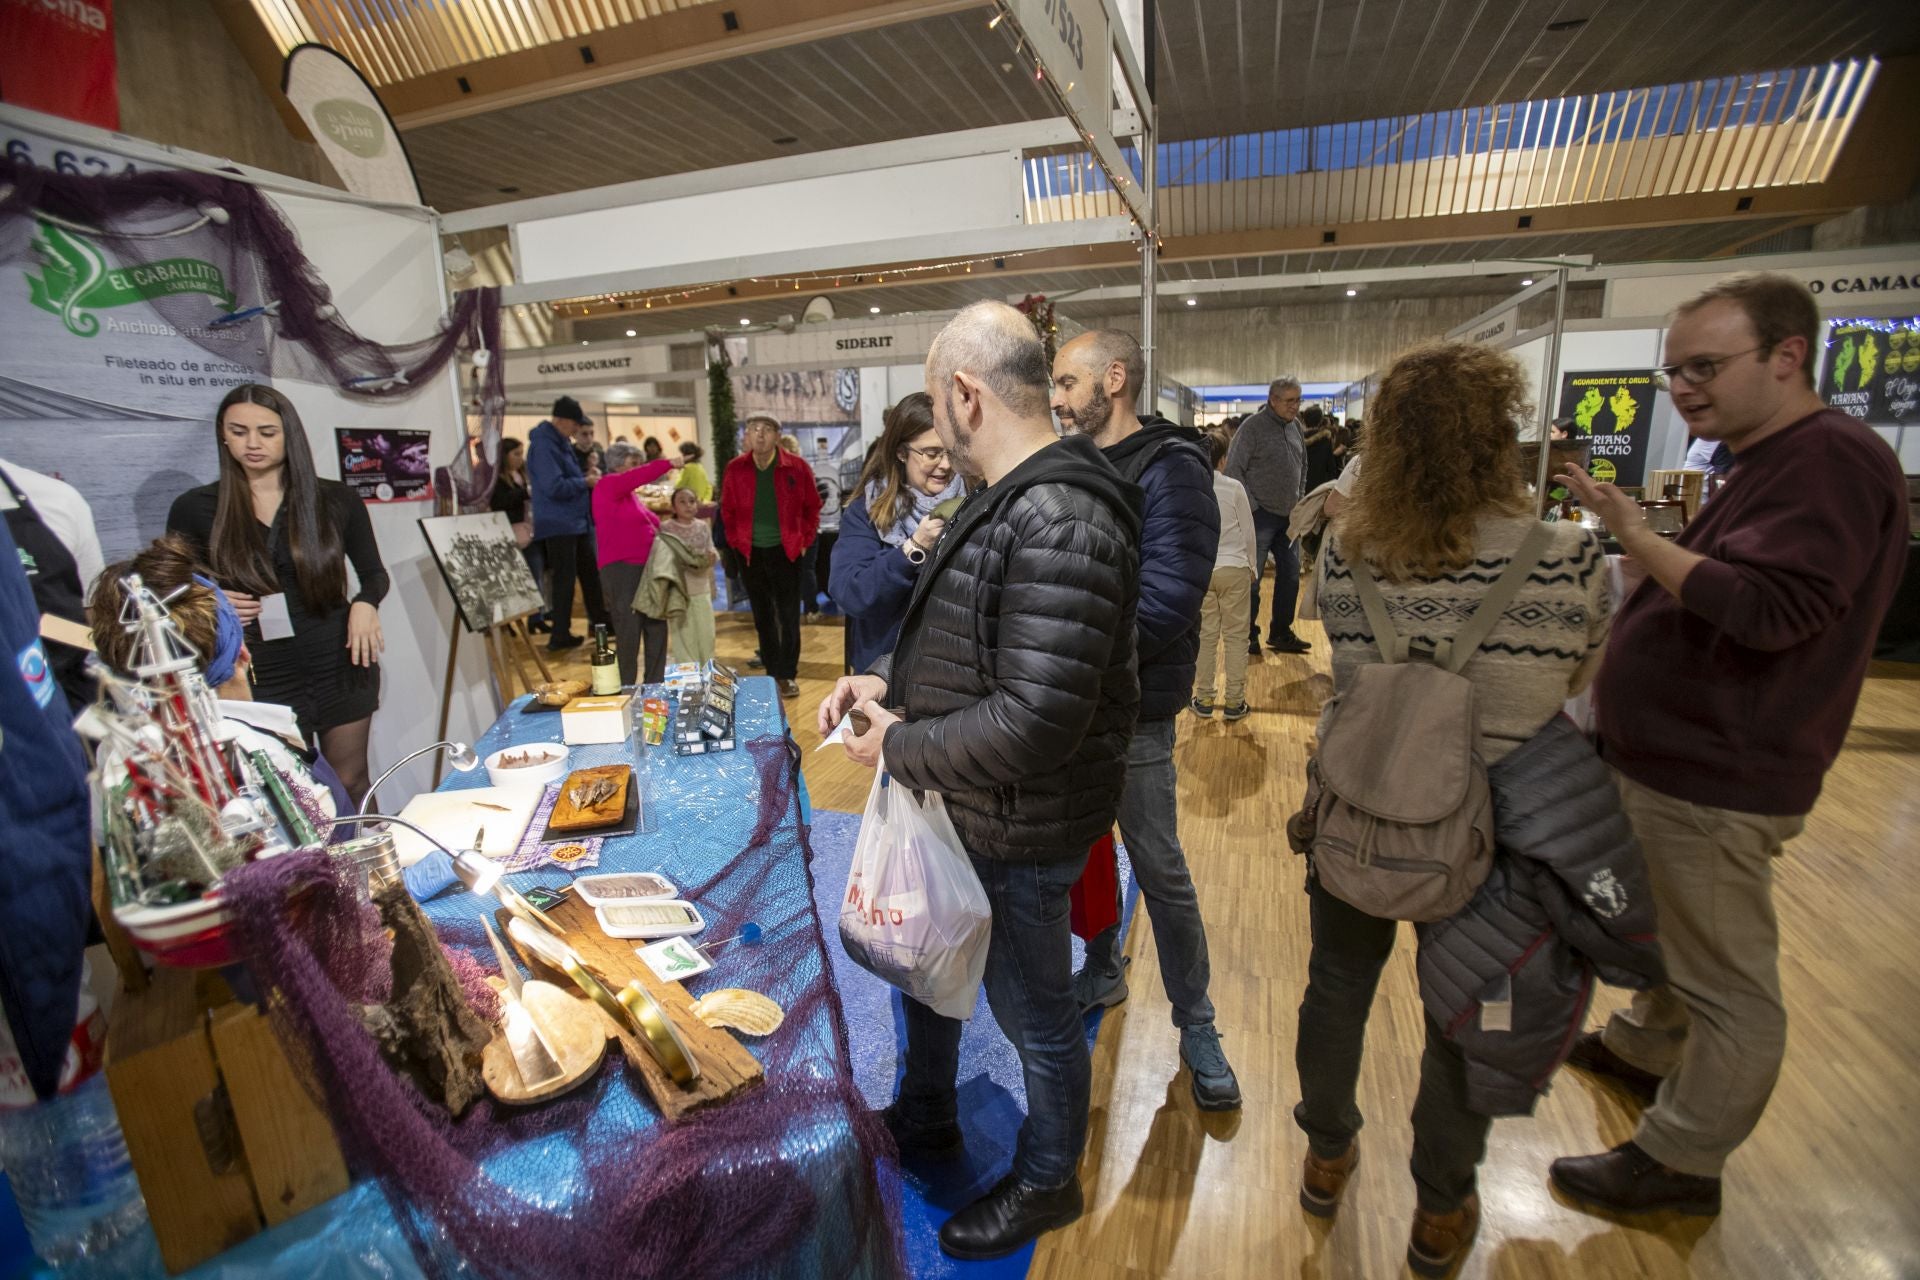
72	268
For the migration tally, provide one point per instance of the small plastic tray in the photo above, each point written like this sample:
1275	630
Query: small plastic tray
647	918
614	887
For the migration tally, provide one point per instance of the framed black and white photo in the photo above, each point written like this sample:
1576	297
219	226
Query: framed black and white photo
483	567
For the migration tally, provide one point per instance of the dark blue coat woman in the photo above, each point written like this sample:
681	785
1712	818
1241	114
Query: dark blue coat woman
888	530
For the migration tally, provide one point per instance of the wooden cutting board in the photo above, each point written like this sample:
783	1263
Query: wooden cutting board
726	1068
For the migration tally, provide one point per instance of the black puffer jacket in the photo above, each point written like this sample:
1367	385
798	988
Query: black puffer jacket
1568	898
1179	537
1015	664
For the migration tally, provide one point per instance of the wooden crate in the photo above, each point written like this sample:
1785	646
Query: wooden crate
223	1137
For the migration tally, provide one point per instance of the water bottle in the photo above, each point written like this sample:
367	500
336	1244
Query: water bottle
67	1162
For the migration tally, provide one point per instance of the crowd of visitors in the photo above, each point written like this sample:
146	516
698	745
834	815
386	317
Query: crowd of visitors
1026	659
1030	611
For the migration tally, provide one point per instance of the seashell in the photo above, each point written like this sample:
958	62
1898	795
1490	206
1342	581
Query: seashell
743	1010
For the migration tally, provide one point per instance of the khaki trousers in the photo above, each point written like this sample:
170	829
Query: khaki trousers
1226	598
1718	1030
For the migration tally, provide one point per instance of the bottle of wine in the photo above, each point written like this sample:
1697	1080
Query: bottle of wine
606	666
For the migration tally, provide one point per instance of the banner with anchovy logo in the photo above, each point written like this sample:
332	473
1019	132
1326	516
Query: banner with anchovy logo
76	281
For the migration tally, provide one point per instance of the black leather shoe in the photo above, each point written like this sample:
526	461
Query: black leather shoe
1289	644
1590	1054
1628	1180
937	1141
1007	1217
560	644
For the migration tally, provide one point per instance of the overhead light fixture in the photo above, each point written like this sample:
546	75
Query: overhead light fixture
1526	282
583	342
997	19
1353	293
1193	302
633	333
873	311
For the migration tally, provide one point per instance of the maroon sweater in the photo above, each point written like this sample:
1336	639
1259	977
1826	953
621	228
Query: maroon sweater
1739	694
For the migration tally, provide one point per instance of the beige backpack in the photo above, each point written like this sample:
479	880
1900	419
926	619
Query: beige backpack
1398	819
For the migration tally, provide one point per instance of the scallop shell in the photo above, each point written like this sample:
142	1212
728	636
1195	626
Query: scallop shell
743	1010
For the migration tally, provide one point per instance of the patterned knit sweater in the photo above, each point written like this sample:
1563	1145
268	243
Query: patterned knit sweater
1546	646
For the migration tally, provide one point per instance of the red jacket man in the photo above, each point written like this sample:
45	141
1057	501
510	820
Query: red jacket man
770	506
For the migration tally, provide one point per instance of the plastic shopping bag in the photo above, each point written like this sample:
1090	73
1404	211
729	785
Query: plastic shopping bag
914	914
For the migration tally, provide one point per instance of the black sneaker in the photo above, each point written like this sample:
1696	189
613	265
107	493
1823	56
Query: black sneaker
1214	1085
1289	644
1235	711
560	644
1201	708
1007	1218
1253	648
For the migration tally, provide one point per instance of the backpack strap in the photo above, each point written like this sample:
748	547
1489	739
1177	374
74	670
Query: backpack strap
1467	641
1393	648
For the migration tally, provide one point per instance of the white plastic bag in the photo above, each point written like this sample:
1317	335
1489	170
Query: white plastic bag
914	914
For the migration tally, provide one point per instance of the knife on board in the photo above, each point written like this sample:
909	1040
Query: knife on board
532	1055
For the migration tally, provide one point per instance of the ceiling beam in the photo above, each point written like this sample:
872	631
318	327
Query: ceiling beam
663	42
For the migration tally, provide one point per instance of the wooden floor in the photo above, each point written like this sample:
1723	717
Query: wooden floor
1828	1186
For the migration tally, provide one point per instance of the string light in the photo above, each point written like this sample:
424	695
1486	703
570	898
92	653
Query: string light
718	291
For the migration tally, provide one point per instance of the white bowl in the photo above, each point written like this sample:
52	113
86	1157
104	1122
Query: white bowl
528	775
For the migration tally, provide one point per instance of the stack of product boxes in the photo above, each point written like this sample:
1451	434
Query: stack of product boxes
704	720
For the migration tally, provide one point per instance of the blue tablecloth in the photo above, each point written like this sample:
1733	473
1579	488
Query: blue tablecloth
701	813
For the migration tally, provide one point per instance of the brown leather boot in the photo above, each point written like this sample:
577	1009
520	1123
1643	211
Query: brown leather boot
1440	1240
1323	1182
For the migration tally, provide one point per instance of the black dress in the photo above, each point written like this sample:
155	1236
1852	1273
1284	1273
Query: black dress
311	670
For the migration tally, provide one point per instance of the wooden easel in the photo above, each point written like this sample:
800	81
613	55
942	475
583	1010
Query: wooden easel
498	640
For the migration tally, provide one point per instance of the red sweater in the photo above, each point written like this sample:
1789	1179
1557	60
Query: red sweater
1739	694
795	493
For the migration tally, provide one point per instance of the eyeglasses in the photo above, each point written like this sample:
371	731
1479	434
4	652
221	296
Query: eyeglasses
934	456
1700	370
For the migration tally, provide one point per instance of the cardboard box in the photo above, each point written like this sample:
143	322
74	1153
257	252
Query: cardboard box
597	721
223	1136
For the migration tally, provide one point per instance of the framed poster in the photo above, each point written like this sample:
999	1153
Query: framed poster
1872	370
483	567
1612	414
385	464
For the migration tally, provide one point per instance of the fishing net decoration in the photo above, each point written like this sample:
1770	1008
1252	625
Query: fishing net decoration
727	1192
261	310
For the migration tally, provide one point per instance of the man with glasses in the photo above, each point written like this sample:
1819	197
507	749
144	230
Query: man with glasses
771	509
1729	683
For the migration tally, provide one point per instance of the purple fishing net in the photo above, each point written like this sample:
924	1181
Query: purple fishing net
244	291
730	1191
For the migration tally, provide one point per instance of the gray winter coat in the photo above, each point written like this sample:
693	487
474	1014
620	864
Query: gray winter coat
1567	900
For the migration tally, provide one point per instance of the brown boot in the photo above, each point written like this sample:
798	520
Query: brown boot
1323	1182
1440	1240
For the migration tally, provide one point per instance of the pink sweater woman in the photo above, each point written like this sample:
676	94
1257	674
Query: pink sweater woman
625	529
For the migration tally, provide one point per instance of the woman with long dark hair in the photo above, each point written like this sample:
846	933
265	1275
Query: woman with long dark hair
278	539
886	533
512	497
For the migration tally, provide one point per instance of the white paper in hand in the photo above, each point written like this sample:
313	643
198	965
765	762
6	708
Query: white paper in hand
275	622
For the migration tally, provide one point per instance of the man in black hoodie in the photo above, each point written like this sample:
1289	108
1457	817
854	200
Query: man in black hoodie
1017	692
1097	380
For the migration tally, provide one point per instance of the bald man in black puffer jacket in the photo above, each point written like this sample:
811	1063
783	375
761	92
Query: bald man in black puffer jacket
1017	687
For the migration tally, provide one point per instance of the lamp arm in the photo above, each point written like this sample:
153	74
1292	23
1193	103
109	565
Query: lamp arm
357	818
405	760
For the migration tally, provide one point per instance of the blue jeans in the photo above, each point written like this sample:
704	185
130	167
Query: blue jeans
1030	990
1148	825
1270	535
